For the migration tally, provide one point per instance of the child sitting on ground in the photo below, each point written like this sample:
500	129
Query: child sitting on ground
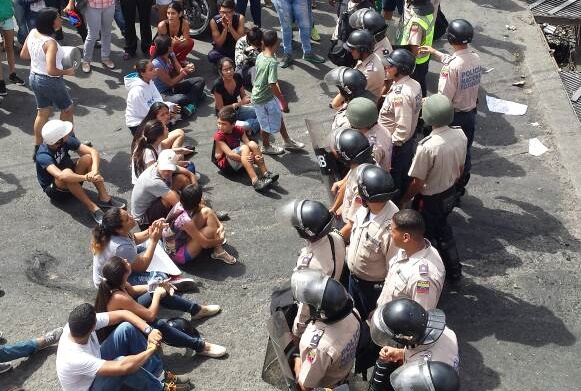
233	150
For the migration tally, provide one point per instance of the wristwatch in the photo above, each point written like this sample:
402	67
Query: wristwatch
148	330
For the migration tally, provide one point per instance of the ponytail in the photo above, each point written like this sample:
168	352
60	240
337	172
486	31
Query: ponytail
102	233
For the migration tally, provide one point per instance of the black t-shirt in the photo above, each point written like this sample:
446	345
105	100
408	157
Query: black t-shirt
227	98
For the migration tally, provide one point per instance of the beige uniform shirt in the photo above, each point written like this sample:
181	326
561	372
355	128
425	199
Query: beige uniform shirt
419	277
445	350
318	256
372	68
380	139
460	79
371	246
340	120
351	199
381	46
327	352
438	159
401	109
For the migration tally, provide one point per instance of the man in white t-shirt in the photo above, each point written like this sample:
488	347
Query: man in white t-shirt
126	357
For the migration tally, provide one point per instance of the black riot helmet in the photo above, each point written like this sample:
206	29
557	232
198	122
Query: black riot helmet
311	219
360	40
459	32
403	60
425	376
352	146
350	82
407	322
375	184
368	19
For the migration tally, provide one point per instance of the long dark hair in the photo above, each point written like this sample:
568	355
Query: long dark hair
162	45
102	233
113	272
143	140
154	110
45	20
191	198
178	7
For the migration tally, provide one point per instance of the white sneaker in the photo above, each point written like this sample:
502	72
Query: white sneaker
207	310
293	144
212	350
271	150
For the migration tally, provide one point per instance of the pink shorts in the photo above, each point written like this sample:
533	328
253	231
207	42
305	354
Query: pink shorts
181	257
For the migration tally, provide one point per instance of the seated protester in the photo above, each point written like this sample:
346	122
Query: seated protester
115	293
113	237
152	138
194	227
228	91
171	79
245	52
157	188
233	151
27	348
177	27
60	177
227	27
142	93
126	358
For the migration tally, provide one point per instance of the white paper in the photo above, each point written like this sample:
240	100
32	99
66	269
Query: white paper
505	106
161	262
536	148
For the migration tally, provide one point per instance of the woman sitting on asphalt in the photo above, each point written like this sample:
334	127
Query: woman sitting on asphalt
115	293
229	91
173	81
178	28
194	227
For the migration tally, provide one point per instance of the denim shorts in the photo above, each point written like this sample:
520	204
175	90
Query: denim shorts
50	91
7	25
235	165
269	115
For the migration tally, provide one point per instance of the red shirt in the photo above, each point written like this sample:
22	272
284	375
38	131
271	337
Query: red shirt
231	139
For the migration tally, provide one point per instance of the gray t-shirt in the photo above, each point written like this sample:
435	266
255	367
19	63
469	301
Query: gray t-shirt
121	246
148	188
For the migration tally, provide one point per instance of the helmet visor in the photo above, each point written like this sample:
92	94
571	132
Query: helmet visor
308	286
414	376
435	326
356	18
335	76
380	332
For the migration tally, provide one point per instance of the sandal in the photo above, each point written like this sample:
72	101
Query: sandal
224	257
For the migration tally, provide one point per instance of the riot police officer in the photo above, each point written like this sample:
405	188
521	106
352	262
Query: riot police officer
400	112
373	22
324	250
361	44
422	334
371	245
437	165
328	346
417	271
425	376
351	83
460	81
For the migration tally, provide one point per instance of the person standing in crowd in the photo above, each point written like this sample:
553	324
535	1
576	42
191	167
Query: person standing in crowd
460	81
60	177
400	112
255	10
361	44
177	27
351	84
7	31
227	27
437	166
417	271
46	72
27	348
417	29
144	10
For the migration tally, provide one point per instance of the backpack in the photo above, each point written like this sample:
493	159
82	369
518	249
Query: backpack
337	53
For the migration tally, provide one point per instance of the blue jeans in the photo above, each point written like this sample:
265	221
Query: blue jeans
18	350
20	16
119	19
248	115
49	91
297	10
126	340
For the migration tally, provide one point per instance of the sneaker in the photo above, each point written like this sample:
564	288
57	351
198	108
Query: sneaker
15	79
313	58
112	203
171	386
212	350
183	284
108	64
286	60
292	144
176	379
86	66
207	310
3	88
188	110
271	150
98	216
273	177
52	337
5	367
262	183
314	33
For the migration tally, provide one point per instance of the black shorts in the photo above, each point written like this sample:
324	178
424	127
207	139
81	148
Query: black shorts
56	194
157	210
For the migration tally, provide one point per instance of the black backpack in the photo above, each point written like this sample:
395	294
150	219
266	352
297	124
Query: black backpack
337	53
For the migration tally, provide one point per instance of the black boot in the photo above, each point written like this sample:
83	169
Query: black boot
449	254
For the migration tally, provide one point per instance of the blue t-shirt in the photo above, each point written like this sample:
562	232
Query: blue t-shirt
159	63
60	158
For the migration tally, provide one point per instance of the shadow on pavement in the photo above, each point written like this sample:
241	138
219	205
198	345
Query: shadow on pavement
13	379
10	188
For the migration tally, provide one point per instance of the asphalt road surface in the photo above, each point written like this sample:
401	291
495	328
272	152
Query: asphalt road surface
516	314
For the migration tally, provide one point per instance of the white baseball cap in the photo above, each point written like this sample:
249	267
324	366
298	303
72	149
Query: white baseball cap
55	129
167	160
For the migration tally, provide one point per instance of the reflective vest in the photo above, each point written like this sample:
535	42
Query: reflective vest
427	24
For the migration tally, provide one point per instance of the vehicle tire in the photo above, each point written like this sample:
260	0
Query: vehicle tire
199	13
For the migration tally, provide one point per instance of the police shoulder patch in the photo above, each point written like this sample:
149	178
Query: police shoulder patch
397	101
311	355
397	89
423	269
423	286
445	72
317	335
306	259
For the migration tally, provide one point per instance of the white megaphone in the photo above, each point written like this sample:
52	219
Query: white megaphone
71	57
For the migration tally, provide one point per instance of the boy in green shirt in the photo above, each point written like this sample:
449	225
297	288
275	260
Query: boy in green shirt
267	98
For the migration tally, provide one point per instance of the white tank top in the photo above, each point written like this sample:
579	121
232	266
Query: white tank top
37	54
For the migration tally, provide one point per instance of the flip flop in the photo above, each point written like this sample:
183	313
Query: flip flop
224	257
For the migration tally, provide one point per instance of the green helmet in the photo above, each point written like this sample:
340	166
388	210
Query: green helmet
438	110
362	113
